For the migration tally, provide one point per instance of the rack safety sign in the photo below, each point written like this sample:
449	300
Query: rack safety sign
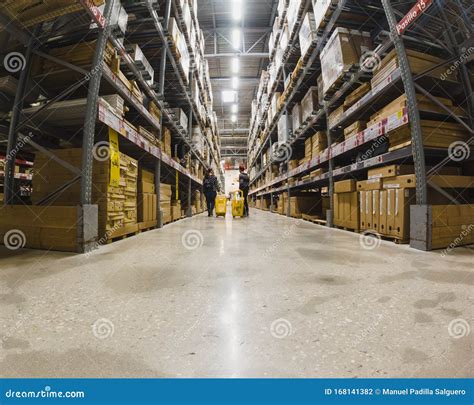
418	9
114	153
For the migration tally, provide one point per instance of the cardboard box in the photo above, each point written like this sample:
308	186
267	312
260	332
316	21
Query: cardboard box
354	129
345	186
372	184
356	95
342	51
405	181
309	205
347	210
398	217
390	171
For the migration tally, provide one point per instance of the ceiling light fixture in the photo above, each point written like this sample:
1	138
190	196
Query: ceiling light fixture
229	96
233	118
235	82
237	10
234	108
235	65
236	34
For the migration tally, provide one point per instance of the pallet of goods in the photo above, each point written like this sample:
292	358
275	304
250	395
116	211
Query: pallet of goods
341	53
146	200
117	204
29	13
419	63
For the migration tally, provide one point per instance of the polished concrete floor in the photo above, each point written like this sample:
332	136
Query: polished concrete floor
261	297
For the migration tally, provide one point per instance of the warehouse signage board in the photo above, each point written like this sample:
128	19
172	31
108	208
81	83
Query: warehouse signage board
418	9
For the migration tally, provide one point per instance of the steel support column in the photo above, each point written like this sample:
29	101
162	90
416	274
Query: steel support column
161	94
91	109
413	112
330	212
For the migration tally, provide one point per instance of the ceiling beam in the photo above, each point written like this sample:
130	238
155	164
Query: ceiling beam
256	55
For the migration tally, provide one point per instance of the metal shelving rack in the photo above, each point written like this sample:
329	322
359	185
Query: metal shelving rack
98	114
423	33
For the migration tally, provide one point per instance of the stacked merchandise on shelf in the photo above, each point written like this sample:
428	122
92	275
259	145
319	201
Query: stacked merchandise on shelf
166	195
117	203
147	199
28	13
385	199
346	205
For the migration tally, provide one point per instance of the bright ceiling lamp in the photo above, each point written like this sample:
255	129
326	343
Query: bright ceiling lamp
235	82
234	108
235	65
236	38
229	96
233	118
237	9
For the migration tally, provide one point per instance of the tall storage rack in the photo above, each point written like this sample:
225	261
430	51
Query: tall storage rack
148	27
451	18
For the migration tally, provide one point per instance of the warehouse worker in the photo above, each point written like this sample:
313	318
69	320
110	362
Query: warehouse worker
244	183
211	187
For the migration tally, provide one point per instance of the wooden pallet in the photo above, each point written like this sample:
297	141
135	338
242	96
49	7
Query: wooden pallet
343	228
147	226
390	238
123	233
314	219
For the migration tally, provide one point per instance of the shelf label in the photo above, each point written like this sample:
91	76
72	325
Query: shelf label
418	9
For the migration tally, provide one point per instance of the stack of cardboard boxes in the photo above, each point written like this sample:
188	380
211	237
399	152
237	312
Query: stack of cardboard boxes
147	200
346	205
117	205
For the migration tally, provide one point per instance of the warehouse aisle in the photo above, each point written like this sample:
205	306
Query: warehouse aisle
268	296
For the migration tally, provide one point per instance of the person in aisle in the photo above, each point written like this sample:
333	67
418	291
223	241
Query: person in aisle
244	182
211	187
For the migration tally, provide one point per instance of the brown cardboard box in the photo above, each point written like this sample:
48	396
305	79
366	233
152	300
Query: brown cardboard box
401	213
345	186
300	205
363	211
383	212
335	115
354	129
356	95
341	52
347	210
319	142
405	181
376	210
390	171
372	184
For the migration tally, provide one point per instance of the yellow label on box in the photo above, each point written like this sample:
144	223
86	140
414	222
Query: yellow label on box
114	159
